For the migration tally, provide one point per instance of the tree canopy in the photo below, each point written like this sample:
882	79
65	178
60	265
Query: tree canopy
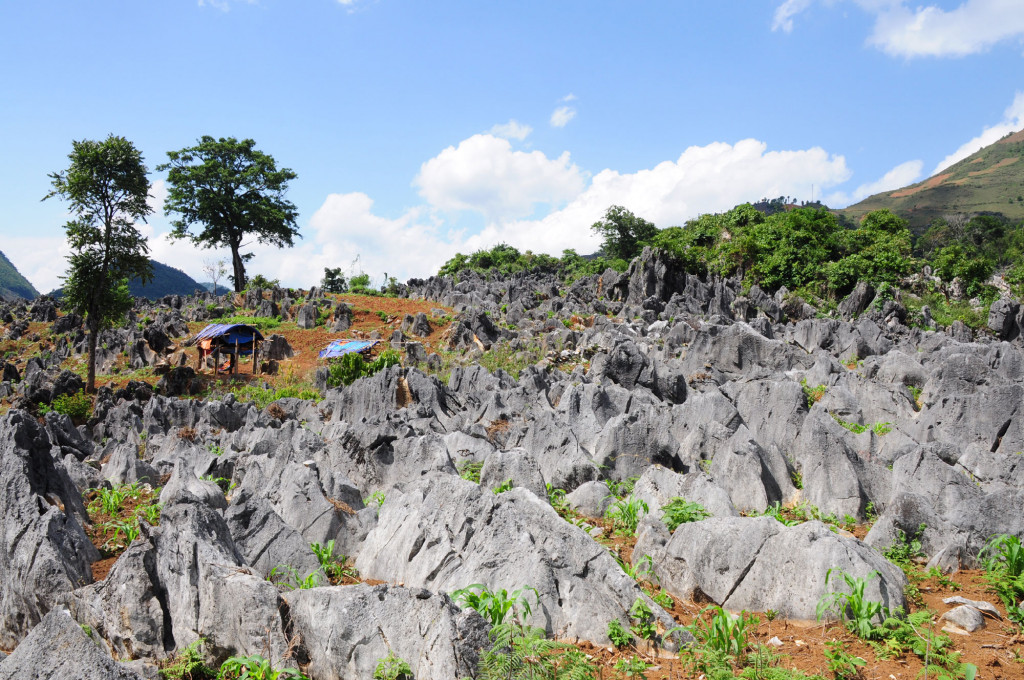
624	234
106	188
235	192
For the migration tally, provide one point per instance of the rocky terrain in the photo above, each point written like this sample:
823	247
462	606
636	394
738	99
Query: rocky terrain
646	386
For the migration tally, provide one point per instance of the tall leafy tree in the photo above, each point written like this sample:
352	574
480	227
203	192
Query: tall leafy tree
624	233
106	189
235	192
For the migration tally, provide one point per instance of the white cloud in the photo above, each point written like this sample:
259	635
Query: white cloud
1013	120
511	130
929	31
562	115
897	178
224	5
486	175
703	179
157	195
785	12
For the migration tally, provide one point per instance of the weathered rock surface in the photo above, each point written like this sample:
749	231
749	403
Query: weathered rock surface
739	562
346	630
445	533
45	553
58	649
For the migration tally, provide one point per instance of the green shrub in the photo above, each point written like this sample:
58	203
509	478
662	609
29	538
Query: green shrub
618	634
359	284
680	511
350	367
77	406
470	471
255	667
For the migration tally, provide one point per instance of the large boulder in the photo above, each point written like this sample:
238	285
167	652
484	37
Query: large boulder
446	533
45	553
347	630
739	562
58	649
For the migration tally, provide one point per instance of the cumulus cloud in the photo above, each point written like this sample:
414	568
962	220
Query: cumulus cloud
900	176
512	130
562	115
703	179
929	30
484	174
1013	120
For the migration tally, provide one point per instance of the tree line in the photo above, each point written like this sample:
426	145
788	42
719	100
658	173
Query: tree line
223	192
807	249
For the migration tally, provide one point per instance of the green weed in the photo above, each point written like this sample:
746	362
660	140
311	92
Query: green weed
680	511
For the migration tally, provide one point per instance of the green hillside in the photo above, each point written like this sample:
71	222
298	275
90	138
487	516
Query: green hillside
12	283
166	281
991	180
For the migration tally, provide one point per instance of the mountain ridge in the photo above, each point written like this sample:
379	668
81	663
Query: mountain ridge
991	180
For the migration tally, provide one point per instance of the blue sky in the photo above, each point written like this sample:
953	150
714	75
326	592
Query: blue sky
419	129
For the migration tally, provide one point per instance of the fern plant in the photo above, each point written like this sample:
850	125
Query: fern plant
522	652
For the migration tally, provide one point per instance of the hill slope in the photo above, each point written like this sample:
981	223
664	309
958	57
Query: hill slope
166	281
12	283
990	180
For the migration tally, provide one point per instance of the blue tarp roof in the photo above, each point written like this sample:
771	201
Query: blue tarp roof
340	347
228	333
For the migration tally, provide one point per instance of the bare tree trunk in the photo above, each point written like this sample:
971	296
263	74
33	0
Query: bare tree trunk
239	268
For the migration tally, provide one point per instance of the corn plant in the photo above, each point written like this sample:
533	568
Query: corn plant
1003	559
334	567
150	513
288	578
854	606
127	530
495	605
726	633
109	501
625	514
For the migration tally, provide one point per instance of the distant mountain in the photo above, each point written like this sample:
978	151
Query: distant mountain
12	283
989	181
221	288
166	281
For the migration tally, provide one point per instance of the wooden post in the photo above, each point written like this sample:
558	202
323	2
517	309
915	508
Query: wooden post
237	358
255	355
216	361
